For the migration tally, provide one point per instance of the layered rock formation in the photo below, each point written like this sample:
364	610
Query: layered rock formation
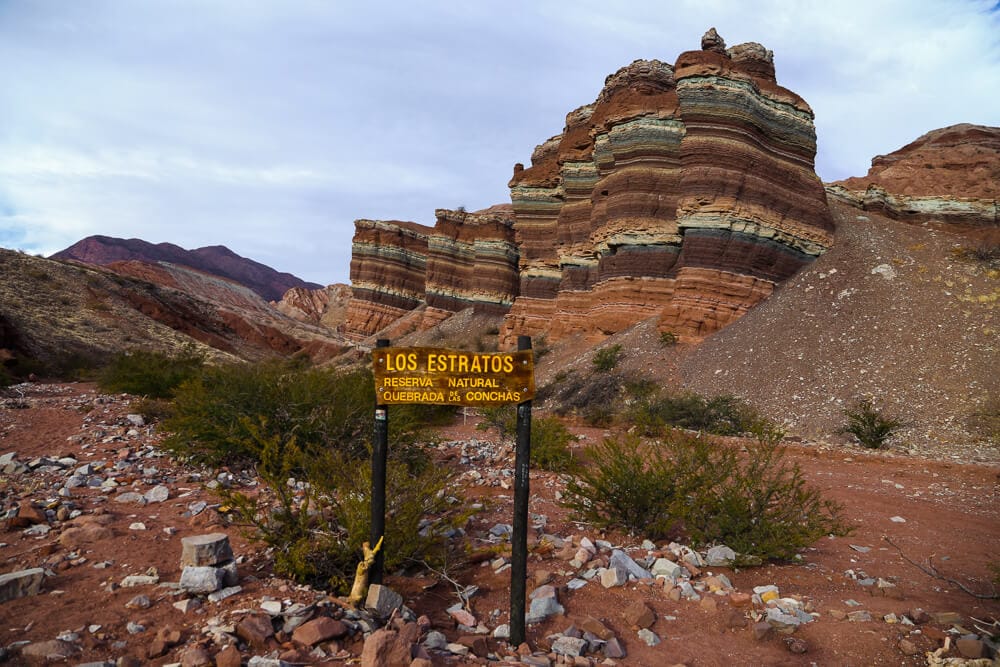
948	178
326	306
215	260
686	191
412	271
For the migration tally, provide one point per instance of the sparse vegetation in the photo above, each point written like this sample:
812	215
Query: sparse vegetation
721	415
607	358
982	253
314	512
755	502
668	338
503	418
595	396
985	420
150	374
550	445
869	425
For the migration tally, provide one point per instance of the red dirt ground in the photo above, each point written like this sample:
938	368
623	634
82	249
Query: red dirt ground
950	511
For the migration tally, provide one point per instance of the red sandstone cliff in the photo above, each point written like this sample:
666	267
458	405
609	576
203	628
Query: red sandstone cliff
685	191
398	269
949	179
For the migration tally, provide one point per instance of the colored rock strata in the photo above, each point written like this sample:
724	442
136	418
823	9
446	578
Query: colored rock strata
949	178
683	191
404	269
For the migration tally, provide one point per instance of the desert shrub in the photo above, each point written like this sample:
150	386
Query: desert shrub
983	253
321	408
315	524
6	377
668	338
607	358
421	516
755	502
721	415
869	425
595	397
153	409
623	487
503	418
550	445
985	420
148	373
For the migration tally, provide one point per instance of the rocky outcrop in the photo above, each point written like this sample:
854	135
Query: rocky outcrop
326	306
949	178
684	191
404	271
216	260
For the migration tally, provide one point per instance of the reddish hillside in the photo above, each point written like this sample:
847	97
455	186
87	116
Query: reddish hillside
216	260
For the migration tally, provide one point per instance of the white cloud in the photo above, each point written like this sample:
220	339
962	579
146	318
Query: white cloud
270	126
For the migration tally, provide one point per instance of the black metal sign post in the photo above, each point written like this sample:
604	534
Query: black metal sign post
519	538
380	453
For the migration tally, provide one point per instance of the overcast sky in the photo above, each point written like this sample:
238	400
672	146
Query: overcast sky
270	126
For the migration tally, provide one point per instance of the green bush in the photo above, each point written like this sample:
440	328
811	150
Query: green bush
550	445
721	415
623	487
503	418
867	423
321	408
668	338
595	397
315	527
756	503
147	373
607	358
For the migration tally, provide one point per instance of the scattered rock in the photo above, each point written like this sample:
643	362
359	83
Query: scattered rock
21	583
255	629
383	647
201	580
649	637
382	600
205	550
570	646
319	630
638	615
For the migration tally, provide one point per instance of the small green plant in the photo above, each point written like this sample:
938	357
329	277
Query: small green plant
668	338
149	374
607	358
869	425
755	502
550	445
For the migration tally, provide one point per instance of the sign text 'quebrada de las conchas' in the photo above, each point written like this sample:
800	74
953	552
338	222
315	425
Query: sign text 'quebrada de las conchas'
439	376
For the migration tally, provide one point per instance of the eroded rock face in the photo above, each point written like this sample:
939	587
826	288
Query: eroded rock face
684	191
402	270
948	178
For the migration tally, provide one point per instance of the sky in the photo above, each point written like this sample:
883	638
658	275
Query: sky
270	126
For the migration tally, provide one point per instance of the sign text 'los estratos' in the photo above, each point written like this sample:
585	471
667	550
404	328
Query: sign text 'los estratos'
439	376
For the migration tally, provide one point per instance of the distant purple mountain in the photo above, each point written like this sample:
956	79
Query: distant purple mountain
217	260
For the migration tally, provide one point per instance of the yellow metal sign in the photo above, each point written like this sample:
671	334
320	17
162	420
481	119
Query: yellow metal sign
440	376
